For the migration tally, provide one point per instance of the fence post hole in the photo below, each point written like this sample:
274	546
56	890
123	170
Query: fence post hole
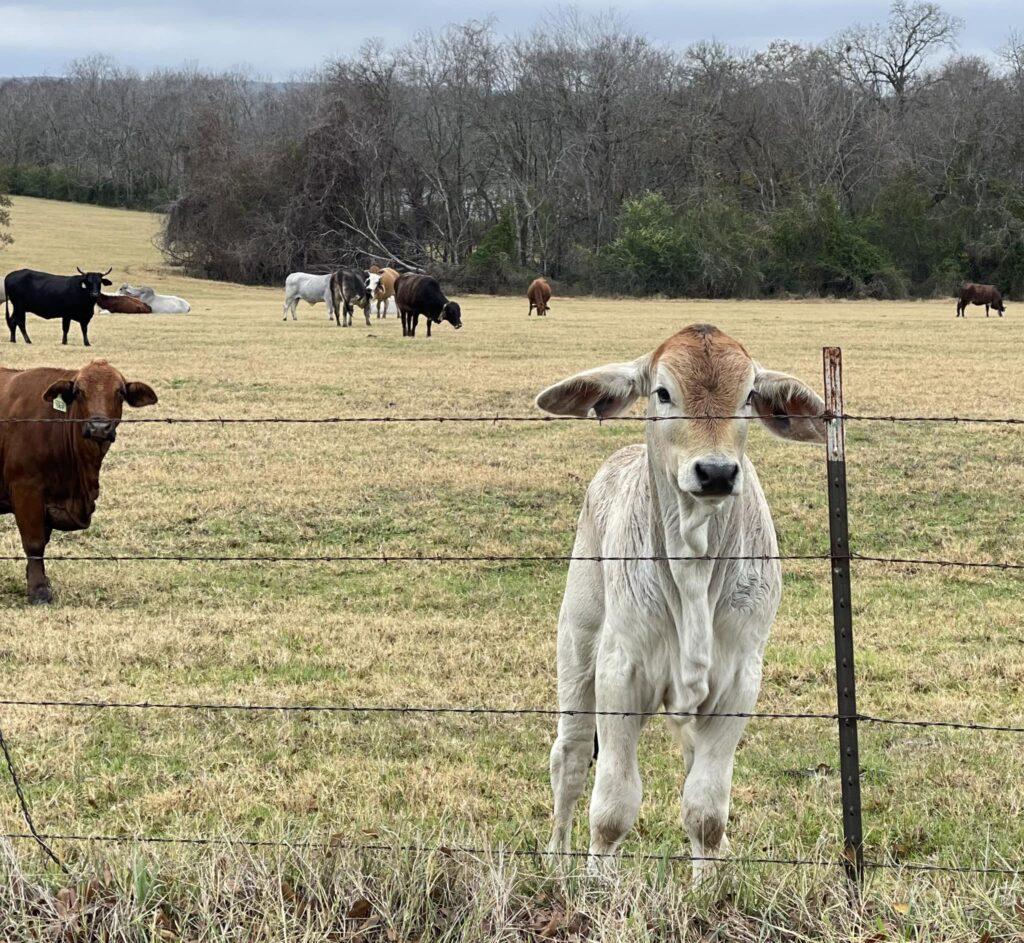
842	616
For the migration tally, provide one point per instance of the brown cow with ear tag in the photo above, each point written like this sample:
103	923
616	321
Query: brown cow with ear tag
50	471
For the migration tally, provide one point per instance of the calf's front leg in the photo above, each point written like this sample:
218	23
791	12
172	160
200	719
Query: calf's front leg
30	516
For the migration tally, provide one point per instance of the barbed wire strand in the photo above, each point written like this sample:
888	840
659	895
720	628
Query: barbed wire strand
26	813
359	847
499	418
492	711
385	558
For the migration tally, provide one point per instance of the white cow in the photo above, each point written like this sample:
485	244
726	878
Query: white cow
686	636
309	288
158	304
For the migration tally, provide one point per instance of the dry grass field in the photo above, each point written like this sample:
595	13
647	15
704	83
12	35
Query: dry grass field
932	643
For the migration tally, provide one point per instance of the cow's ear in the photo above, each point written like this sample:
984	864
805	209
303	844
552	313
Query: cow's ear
106	281
788	407
608	391
139	394
65	389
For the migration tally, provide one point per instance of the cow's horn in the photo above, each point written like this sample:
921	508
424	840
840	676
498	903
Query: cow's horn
108	271
80	272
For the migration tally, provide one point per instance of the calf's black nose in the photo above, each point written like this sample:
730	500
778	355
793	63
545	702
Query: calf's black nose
716	478
102	430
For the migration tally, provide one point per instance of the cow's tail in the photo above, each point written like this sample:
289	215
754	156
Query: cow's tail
7	307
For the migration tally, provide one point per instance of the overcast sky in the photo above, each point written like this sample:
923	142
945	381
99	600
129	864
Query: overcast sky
278	38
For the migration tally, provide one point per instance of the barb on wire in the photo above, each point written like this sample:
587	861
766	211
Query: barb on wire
928	561
499	851
26	813
96	704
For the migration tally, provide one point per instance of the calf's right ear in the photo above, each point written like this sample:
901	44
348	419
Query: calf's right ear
65	389
139	394
608	391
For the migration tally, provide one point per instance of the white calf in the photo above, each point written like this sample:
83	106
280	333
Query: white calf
309	288
686	636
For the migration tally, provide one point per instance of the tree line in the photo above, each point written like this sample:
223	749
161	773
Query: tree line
877	163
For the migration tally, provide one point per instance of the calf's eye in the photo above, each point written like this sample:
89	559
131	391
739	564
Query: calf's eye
750	398
662	394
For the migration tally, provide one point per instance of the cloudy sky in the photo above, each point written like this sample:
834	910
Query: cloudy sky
278	38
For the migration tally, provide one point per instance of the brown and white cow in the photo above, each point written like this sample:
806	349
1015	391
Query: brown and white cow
385	290
539	294
683	635
50	471
971	293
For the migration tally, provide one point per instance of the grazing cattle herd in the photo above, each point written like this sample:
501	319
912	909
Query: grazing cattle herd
674	617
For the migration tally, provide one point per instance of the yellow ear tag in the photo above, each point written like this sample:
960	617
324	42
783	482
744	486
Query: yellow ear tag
59	404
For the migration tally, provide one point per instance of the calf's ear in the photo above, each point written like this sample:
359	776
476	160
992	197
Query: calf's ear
106	281
65	389
139	394
788	407
608	391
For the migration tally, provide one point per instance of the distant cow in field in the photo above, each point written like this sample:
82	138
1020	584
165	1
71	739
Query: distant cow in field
158	304
68	297
385	290
123	304
677	616
418	295
539	294
972	293
50	472
301	286
352	288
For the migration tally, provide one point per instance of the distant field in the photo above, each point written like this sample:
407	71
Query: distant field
942	644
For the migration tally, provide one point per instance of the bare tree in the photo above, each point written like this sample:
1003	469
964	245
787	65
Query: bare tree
888	60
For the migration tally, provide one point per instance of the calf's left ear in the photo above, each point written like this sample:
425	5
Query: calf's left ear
788	407
65	389
139	394
106	281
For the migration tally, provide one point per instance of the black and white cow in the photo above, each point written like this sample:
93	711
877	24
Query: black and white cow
68	297
421	294
353	287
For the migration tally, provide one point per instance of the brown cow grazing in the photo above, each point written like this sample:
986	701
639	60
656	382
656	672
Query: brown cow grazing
385	290
539	294
972	293
123	304
50	471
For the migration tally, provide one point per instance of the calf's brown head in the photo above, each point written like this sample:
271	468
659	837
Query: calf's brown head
97	395
702	388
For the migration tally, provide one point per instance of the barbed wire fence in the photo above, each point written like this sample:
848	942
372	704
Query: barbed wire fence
847	717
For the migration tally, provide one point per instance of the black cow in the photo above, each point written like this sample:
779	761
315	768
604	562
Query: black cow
421	294
68	297
351	287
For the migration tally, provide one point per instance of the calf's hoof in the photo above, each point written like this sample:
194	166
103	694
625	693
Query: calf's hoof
40	595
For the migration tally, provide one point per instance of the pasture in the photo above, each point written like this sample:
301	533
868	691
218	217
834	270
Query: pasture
931	643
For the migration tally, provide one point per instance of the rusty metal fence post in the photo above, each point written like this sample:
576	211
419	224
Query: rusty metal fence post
842	616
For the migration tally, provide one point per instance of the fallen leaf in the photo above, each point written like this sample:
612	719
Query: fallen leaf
359	910
901	908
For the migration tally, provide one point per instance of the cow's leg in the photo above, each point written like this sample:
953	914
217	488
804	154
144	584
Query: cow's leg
986	311
709	749
366	311
622	684
414	319
65	323
85	333
284	310
30	516
579	627
430	323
